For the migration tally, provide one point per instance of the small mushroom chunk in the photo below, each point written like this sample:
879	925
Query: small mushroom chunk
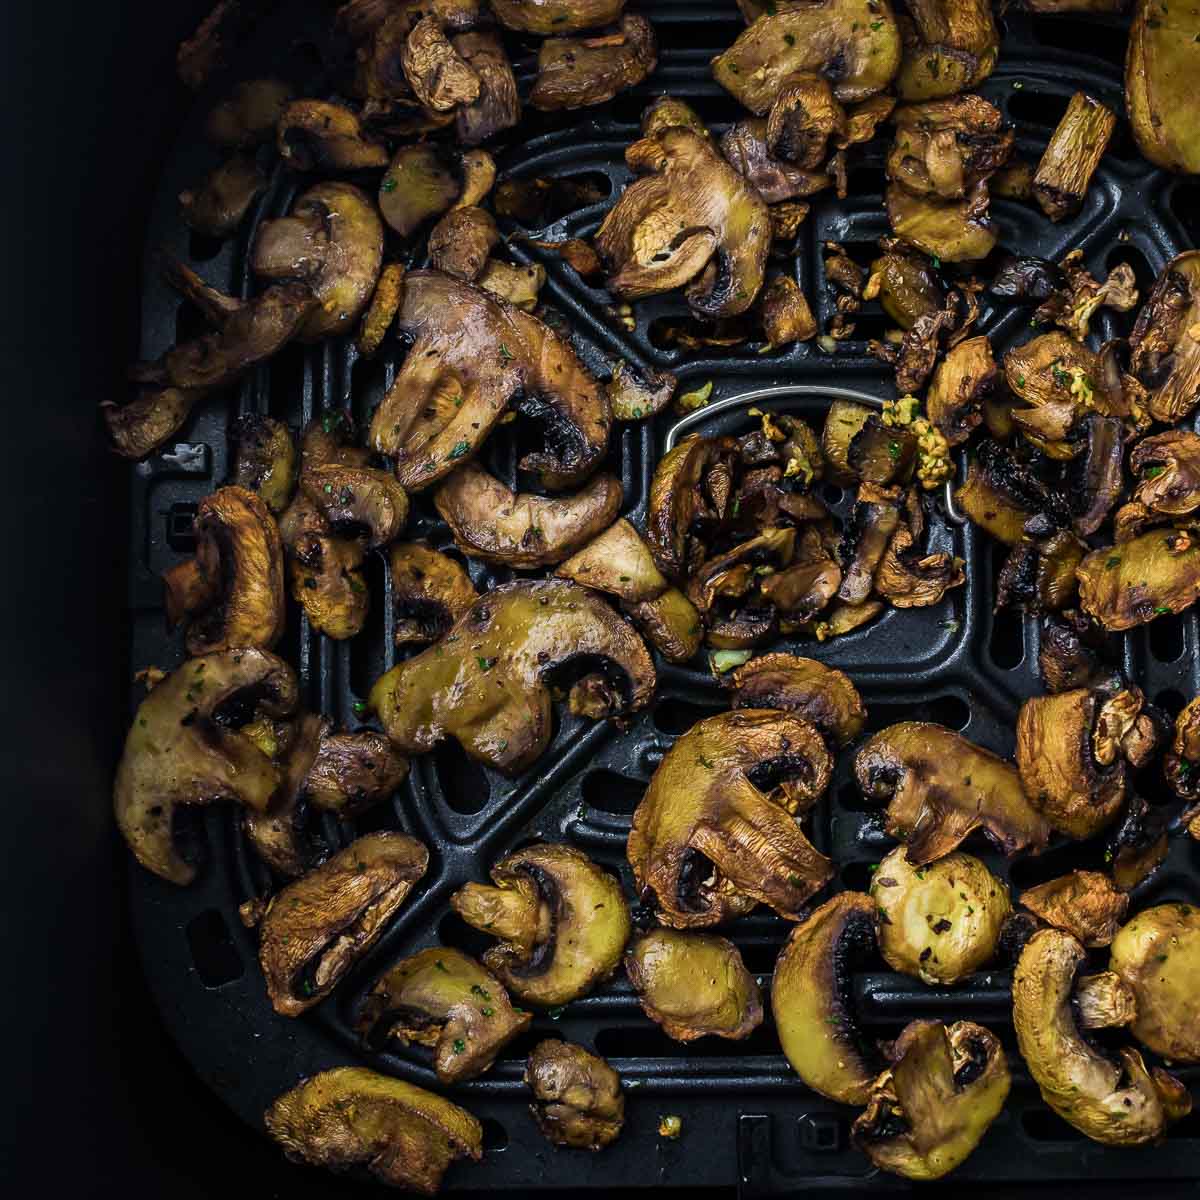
318	135
498	107
1130	584
182	749
517	285
1181	766
1161	61
785	312
441	79
905	283
811	999
1067	655
691	219
875	518
1168	469
350	1116
954	230
1040	574
459	244
357	501
939	922
326	576
442	999
1075	150
961	383
353	772
381	312
931	1108
574	72
430	591
951	46
1165	342
485	683
1084	903
264	459
992	495
1115	1104
940	787
317	927
422	182
822	695
693	984
550	17
219	205
636	392
1155	953
744	146
715	833
577	1095
562	922
249	115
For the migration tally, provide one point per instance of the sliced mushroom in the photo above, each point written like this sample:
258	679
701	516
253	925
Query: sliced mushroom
744	146
1104	1001
517	285
1040	574
811	1000
1168	467
991	498
356	500
182	750
574	72
381	312
1084	903
938	922
715	834
317	928
950	47
144	424
962	381
1160	64
1181	767
931	1108
353	772
1072	156
498	106
636	392
577	1095
693	984
953	231
430	591
1117	1105
425	180
326	576
264	459
904	282
820	694
1165	342
405	1136
875	519
804	116
946	148
1067	655
219	205
318	135
485	682
940	787
563	923
441	79
785	312
249	115
547	17
459	244
1149	576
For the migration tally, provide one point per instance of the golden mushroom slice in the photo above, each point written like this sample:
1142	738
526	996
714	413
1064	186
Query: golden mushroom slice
350	1116
319	135
441	79
425	179
442	999
381	312
939	922
1181	766
810	999
932	1107
1156	953
1085	903
1161	66
1149	576
779	182
1167	468
547	17
715	832
317	927
1165	342
574	72
577	1095
940	787
430	591
562	922
498	106
1115	1104
264	459
459	244
180	752
951	46
822	695
519	286
951	230
357	500
962	383
693	984
1104	1001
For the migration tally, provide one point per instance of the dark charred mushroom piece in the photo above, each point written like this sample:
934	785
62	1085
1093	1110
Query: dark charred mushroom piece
1075	150
353	772
1139	843
822	695
1167	467
318	135
946	148
804	116
1160	63
1068	651
577	1095
744	146
1084	903
219	205
875	519
498	106
574	72
1039	574
1164	349
962	382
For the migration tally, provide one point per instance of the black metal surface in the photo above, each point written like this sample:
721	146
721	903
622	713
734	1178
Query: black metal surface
747	1120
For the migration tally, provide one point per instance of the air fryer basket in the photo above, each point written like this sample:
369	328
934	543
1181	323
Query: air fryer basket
747	1119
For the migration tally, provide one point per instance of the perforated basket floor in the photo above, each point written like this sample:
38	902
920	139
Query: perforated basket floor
747	1120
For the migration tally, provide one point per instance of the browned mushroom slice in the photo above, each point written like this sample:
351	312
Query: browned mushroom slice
425	180
1097	477
875	519
405	1136
523	530
439	76
951	47
1160	66
264	459
803	117
1075	150
146	423
961	383
574	72
1082	296
516	285
636	392
1181	767
985	499
690	209
381	312
459	244
249	114
220	204
1149	576
821	695
327	581
945	148
939	787
355	500
954	231
497	107
505	646
1168	469
714	834
353	772
317	135
1084	903
744	145
786	315
905	284
547	17
1040	574
430	591
577	1095
1165	342
909	579
179	751
1067	655
733	573
319	926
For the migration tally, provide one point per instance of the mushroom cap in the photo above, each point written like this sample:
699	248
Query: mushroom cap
577	1095
822	695
546	17
574	72
1086	904
1160	66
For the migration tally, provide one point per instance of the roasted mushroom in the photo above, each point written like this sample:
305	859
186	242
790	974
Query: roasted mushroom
183	749
693	984
785	313
574	72
381	312
353	771
577	1095
961	383
317	928
1168	469
1084	903
821	695
1147	577
931	1108
715	832
1075	150
811	1002
220	204
1160	64
425	180
1165	342
1039	574
357	501
498	107
804	116
744	146
325	571
951	46
459	244
1181	767
938	922
264	459
562	922
249	115
940	787
441	79
430	591
405	1136
1067	651
905	283
547	17
318	135
1118	1105
636	392
953	231
518	285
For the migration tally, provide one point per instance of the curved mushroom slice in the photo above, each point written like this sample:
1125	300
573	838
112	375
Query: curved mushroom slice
233	589
803	117
317	928
939	922
715	832
516	285
442	999
430	591
563	923
994	495
249	115
485	682
441	79
732	574
853	43
1040	575
327	579
356	500
929	1111
144	424
811	1002
744	145
333	241
636	392
1118	1105
577	1095
1165	342
962	382
953	231
1160	65
823	696
574	72
1168	469
523	530
875	518
459	244
1181	767
220	204
693	984
547	17
353	772
425	180
1150	576
181	750
940	787
405	1136
381	312
945	148
693	207
1072	156
1084	903
498	106
264	459
951	47
905	283
318	135
785	312
1155	954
